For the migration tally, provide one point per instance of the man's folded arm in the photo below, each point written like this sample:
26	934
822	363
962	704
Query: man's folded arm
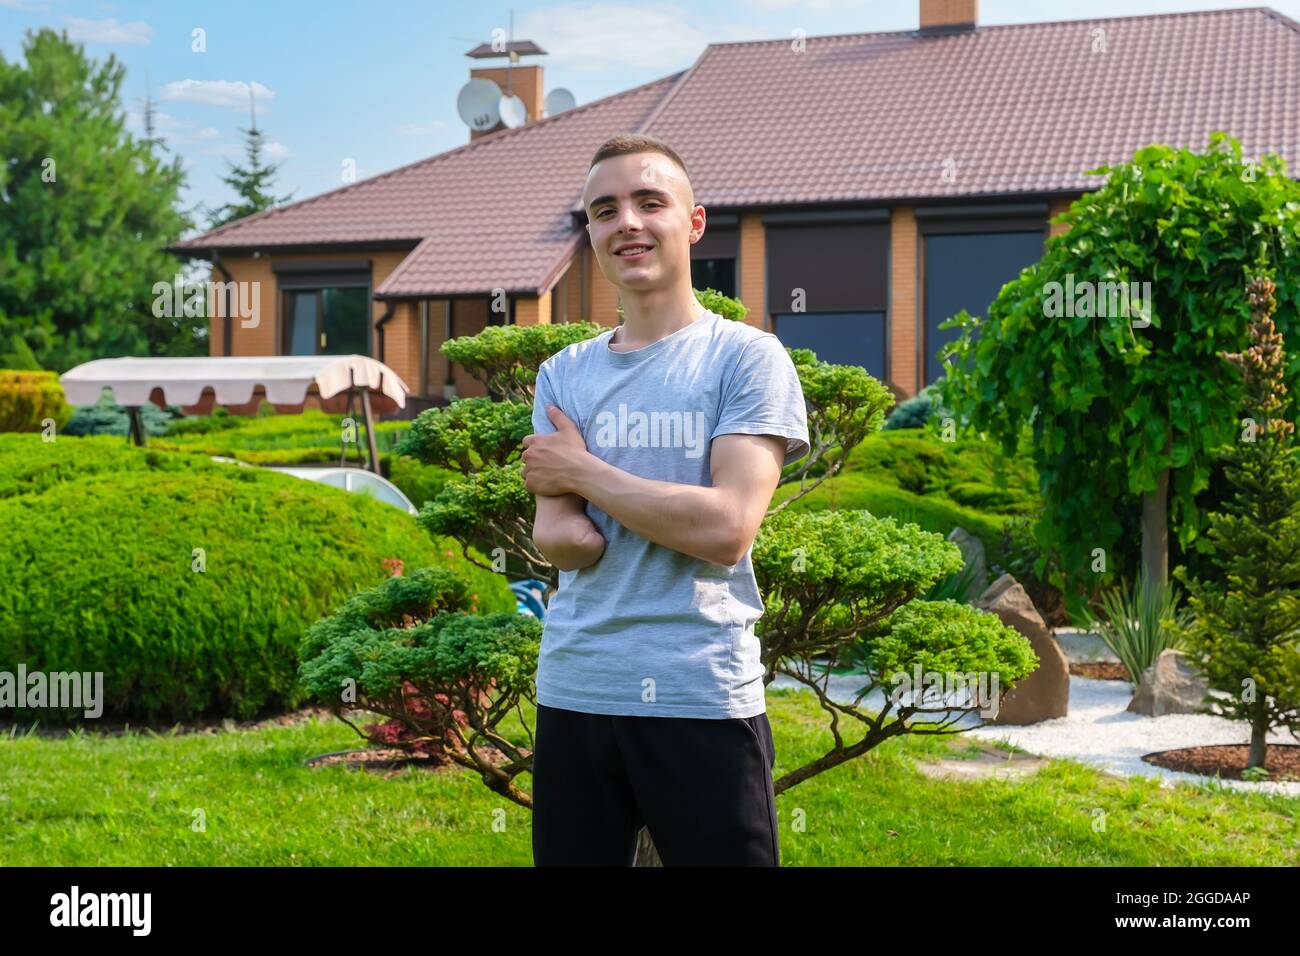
564	534
715	523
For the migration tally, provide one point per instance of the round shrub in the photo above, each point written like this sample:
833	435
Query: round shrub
27	398
104	546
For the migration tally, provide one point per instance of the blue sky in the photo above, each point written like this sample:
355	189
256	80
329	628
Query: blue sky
376	82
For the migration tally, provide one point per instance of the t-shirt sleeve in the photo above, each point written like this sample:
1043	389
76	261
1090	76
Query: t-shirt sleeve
543	395
764	397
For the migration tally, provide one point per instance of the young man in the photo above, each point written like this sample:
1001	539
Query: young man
657	447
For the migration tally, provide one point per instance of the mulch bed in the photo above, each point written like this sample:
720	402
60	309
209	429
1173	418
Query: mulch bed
112	728
1282	761
390	760
387	759
1099	670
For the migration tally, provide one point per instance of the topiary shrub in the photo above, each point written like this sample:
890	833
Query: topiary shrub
411	649
104	546
28	398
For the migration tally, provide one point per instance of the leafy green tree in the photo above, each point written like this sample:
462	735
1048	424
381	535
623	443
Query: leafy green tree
1124	413
1245	634
85	212
840	587
253	182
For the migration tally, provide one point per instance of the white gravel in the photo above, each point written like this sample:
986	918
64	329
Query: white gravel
1099	732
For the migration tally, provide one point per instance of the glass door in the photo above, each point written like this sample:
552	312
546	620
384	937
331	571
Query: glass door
302	314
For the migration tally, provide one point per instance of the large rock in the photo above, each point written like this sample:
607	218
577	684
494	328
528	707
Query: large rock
972	550
1171	685
1045	693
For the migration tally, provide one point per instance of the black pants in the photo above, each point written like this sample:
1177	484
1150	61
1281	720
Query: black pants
703	788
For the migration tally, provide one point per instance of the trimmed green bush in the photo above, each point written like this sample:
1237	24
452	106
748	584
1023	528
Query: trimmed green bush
27	398
100	572
412	649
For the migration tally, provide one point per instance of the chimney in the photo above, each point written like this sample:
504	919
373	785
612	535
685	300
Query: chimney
523	81
948	16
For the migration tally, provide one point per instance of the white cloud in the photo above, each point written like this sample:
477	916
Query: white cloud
601	36
108	31
175	131
421	129
273	151
224	149
231	94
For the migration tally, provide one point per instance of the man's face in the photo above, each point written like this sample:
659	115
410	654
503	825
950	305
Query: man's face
641	200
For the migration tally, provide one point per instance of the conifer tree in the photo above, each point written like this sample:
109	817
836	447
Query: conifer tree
1245	623
253	182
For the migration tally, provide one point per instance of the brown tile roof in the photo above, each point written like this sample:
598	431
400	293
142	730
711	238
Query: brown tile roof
861	118
489	214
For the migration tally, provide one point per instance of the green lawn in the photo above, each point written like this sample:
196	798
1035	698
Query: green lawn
129	800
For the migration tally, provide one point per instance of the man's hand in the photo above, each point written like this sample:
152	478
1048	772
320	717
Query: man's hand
555	464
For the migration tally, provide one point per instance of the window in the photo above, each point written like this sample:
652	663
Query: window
324	310
967	271
327	321
844	338
719	274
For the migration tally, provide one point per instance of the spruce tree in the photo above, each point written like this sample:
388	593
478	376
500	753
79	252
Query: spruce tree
1246	621
253	182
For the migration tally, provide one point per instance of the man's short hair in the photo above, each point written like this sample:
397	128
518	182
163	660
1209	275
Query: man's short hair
625	143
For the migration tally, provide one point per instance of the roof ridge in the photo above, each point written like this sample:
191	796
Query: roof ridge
498	136
1276	15
1015	26
685	77
402	266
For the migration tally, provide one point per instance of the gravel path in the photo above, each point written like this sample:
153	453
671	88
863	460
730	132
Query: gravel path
1098	731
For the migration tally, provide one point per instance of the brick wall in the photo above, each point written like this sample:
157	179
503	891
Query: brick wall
1054	209
903	319
533	311
751	267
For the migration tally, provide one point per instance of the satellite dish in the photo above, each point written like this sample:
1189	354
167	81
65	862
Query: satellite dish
478	104
513	112
559	100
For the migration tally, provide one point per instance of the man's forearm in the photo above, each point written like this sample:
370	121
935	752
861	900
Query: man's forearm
694	519
571	544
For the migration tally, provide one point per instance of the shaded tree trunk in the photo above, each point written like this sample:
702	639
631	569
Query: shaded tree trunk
1258	734
1155	525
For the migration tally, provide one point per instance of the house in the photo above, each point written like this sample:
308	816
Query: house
860	189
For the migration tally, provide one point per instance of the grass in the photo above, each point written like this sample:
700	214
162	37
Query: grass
130	800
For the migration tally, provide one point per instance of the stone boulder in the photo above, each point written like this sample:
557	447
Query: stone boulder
1171	685
972	550
1045	693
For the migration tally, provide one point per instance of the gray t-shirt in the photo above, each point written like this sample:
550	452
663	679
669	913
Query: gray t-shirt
646	630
